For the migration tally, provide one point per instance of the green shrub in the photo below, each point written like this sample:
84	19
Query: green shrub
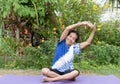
34	57
109	34
105	46
104	53
8	46
1	62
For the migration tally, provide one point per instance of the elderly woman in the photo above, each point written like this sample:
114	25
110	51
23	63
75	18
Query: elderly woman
62	65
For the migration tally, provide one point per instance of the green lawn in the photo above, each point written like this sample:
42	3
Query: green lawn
99	69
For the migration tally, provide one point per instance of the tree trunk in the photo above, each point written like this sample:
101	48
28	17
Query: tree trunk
17	33
0	34
83	1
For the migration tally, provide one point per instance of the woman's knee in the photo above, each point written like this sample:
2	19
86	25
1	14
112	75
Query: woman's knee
77	72
44	71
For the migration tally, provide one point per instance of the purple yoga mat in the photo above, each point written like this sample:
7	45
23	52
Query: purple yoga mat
18	79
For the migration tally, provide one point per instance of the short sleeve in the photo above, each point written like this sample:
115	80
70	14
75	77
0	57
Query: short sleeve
77	48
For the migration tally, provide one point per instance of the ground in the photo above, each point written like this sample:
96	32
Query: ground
19	72
30	72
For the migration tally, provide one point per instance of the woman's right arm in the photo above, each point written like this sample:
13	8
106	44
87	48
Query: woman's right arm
71	27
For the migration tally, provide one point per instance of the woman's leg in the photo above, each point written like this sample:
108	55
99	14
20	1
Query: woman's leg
73	74
47	72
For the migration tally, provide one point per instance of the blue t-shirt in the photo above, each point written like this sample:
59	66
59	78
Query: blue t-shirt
64	54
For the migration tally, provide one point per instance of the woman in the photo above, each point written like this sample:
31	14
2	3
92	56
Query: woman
62	65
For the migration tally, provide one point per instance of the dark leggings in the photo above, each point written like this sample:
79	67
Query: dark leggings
62	73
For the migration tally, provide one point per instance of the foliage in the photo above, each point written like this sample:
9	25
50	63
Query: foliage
8	46
108	33
105	46
75	11
86	67
41	16
34	15
32	57
25	9
104	53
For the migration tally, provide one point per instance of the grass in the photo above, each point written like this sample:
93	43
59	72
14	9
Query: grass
99	69
85	70
85	67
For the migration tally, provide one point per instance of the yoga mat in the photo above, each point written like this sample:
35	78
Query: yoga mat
18	79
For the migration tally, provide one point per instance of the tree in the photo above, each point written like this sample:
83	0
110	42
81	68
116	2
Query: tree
115	3
38	16
32	14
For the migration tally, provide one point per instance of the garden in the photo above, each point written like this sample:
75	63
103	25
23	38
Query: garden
30	30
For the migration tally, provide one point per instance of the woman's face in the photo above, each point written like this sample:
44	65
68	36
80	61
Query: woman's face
71	38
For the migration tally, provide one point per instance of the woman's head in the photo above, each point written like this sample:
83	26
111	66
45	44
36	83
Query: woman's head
72	37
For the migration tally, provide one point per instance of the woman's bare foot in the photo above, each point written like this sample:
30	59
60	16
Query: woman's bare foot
47	79
73	79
